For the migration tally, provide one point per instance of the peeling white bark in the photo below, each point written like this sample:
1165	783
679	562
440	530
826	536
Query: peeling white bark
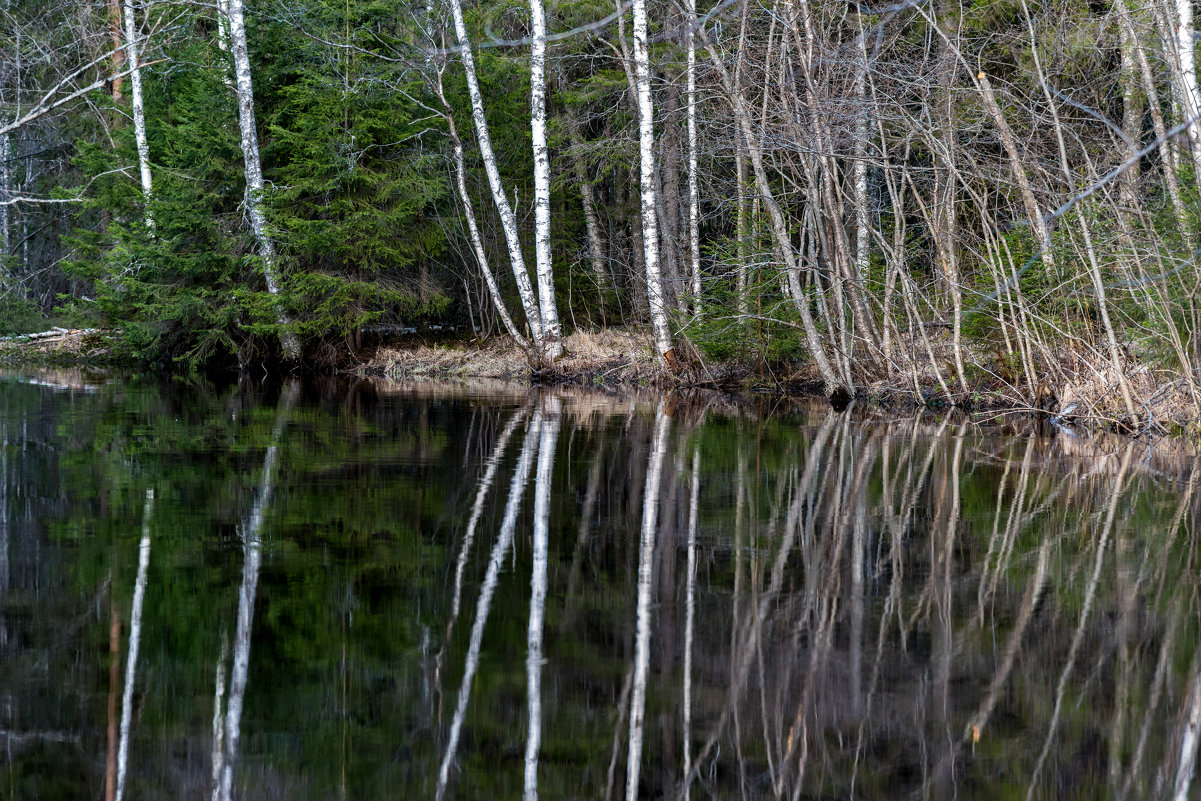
694	192
552	334
1190	97
139	112
655	295
135	639
253	166
508	221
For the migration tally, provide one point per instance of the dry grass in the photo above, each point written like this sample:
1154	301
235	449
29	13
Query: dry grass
613	356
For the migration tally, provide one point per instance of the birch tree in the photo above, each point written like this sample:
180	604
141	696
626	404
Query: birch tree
138	109
656	297
255	206
508	222
694	192
552	335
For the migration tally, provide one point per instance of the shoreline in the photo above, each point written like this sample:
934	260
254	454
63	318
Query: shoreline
623	358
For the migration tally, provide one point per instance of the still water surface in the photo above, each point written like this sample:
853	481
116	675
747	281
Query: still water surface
371	590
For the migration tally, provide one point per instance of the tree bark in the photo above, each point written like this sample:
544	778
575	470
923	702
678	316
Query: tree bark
694	192
139	113
254	171
552	334
655	295
508	221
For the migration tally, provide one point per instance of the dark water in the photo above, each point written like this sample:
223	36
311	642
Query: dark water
370	591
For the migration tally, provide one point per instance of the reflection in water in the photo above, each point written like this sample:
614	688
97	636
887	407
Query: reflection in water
508	529
225	749
135	637
703	599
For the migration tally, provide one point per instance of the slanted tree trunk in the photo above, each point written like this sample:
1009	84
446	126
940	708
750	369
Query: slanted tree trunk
655	295
508	221
779	226
139	114
552	334
254	171
473	231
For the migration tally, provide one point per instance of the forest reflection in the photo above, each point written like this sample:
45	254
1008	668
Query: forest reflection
346	590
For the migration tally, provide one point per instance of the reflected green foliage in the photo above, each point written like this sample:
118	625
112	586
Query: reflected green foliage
874	639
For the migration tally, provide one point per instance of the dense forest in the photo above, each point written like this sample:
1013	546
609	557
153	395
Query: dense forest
922	195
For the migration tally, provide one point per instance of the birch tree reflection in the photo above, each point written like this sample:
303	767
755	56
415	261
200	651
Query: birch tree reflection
565	595
227	722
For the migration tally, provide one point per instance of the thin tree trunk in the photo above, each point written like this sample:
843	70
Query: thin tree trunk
596	244
1187	91
552	334
117	62
254	172
139	113
779	226
473	231
694	192
655	295
508	221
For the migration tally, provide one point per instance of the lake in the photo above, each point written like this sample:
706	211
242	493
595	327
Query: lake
361	589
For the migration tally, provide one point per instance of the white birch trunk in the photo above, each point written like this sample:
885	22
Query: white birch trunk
5	182
655	295
1190	98
477	243
533	661
252	559
135	639
139	112
642	638
254	169
552	334
508	222
507	527
694	192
